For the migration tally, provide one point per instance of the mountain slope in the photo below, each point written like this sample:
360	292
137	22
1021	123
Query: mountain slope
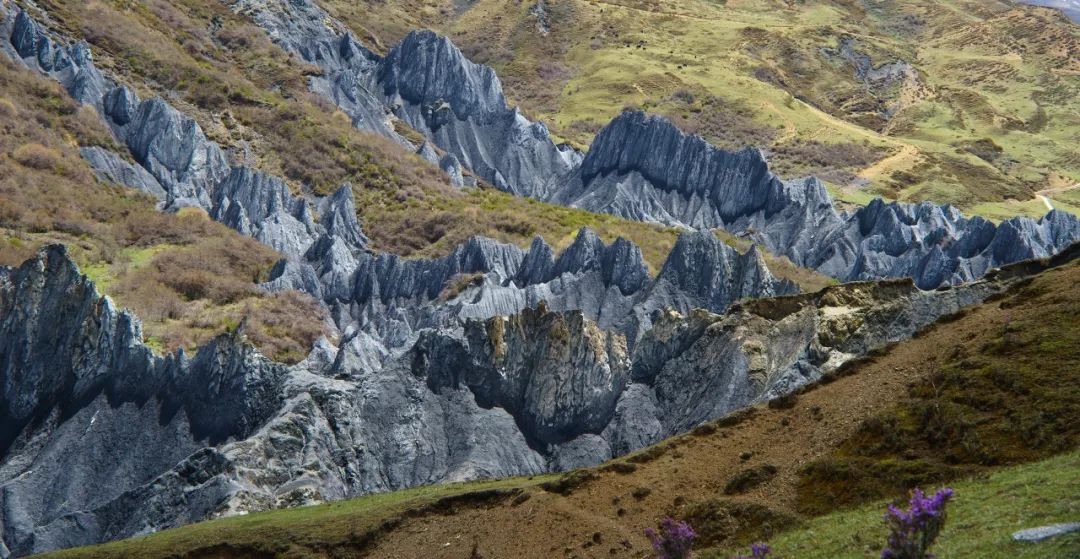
902	99
533	392
480	358
589	513
188	277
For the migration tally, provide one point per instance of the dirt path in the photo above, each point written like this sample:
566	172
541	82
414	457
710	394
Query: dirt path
1058	190
1046	202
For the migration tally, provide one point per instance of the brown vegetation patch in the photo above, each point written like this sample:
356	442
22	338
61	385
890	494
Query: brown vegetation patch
185	276
731	522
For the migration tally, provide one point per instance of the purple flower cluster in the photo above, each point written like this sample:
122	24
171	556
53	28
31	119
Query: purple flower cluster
757	551
913	531
673	541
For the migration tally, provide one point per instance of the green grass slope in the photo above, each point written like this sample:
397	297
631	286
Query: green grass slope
981	519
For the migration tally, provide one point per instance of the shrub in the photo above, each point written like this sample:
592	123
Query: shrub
913	531
37	156
729	522
7	108
749	479
674	540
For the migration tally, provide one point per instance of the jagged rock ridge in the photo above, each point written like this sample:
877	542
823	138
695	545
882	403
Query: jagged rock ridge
227	431
426	82
642	167
386	297
174	160
391	299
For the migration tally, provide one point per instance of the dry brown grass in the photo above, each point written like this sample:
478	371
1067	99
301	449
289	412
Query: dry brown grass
246	92
243	90
37	156
187	277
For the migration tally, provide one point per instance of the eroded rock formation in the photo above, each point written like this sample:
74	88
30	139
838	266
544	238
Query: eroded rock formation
103	439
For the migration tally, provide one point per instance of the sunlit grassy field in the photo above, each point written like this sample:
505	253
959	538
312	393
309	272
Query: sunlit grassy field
980	522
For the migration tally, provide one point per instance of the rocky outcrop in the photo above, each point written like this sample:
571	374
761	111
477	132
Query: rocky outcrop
497	398
426	82
670	177
460	106
171	157
642	167
303	28
78	384
392	299
491	361
226	431
895	85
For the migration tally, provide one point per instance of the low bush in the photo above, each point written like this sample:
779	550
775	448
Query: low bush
731	522
37	156
749	479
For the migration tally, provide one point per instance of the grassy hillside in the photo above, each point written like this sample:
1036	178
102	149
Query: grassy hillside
187	277
251	97
743	478
988	111
981	519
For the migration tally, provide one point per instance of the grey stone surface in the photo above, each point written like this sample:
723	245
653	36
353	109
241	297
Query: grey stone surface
174	160
111	167
491	361
225	431
642	167
1046	532
303	28
427	83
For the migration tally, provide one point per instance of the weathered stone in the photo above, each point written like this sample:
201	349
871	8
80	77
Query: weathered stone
1046	532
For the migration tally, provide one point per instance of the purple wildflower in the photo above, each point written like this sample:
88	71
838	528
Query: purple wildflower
673	541
757	551
913	531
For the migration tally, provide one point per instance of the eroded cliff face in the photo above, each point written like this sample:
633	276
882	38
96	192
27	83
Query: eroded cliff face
226	431
89	413
174	161
492	361
642	167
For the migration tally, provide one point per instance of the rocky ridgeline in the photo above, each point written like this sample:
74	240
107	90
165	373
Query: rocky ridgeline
491	361
390	300
426	82
88	414
642	167
174	161
386	298
226	431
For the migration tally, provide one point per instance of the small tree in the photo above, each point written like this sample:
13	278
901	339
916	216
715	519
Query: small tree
674	540
913	531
